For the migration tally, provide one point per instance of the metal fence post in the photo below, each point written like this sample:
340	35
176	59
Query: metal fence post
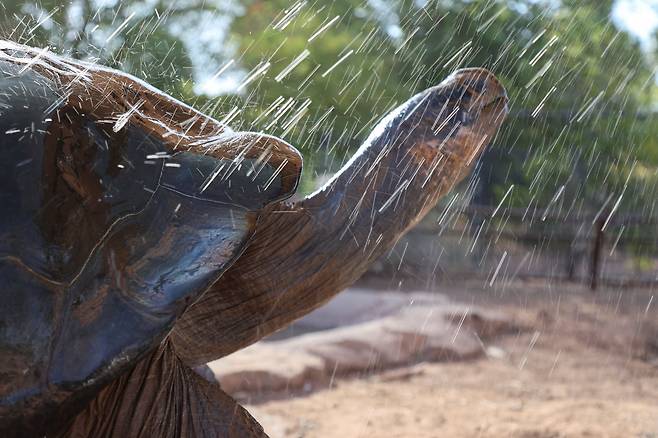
599	235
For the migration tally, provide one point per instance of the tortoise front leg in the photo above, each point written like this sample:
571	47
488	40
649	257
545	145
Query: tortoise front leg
161	397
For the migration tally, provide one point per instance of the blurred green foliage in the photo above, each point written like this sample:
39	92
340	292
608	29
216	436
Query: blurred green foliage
581	132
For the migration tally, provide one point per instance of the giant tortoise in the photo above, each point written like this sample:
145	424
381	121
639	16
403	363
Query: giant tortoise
140	239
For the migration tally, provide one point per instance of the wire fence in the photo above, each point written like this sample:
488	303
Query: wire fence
596	248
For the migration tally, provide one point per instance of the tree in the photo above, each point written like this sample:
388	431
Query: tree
580	132
577	84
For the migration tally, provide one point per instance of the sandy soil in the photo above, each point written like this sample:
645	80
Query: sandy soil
586	367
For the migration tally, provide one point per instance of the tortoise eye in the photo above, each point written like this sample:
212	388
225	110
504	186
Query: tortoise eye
462	94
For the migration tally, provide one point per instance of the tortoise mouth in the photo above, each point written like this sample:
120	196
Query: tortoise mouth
501	101
496	109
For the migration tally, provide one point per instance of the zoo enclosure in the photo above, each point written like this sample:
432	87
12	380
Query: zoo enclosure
500	245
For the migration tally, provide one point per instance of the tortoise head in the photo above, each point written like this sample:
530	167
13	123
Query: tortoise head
464	112
452	121
425	146
457	119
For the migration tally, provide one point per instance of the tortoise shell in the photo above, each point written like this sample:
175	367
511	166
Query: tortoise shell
121	206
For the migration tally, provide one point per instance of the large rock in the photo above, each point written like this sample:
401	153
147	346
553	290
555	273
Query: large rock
360	332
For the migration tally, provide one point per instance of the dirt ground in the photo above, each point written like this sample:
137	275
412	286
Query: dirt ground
585	367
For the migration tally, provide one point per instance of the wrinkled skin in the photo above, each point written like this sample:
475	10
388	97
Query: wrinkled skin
121	275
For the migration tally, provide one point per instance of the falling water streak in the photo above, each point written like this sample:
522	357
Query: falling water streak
323	28
614	246
228	118
295	62
278	101
125	117
295	118
553	201
35	59
543	102
646	310
120	28
283	109
275	174
43	20
222	69
342	58
589	107
555	361
543	51
404	251
511	187
256	72
477	235
533	341
459	326
394	196
500	264
211	178
289	15
531	42
458	53
404	43
612	212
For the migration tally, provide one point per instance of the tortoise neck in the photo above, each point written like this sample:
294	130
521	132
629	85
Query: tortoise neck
303	254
